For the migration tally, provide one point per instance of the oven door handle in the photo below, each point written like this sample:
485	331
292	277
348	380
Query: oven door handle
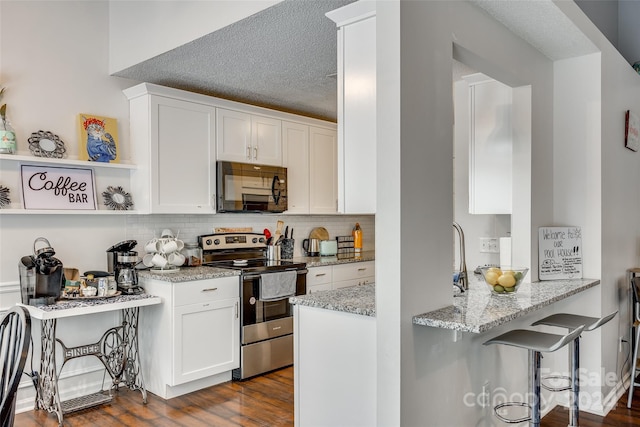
257	276
286	297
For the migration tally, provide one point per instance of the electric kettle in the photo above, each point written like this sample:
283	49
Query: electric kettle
311	247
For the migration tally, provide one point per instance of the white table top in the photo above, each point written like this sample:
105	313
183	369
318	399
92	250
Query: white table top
77	307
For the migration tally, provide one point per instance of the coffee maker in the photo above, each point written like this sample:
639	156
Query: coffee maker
122	261
41	275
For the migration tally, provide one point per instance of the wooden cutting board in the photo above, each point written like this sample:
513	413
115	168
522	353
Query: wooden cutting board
319	233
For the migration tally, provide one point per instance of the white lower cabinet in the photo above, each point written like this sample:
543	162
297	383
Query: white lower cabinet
319	279
192	340
334	373
340	276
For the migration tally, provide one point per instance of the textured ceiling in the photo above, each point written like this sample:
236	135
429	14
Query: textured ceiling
284	57
542	25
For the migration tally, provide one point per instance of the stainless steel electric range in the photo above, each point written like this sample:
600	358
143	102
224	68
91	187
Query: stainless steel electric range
266	317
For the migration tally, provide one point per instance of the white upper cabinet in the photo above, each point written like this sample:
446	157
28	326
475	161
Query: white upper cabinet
490	146
323	176
309	154
248	138
295	146
173	141
356	107
177	136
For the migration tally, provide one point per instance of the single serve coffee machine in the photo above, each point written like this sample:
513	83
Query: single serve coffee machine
41	275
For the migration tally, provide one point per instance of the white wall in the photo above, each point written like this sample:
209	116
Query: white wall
577	184
416	119
141	30
629	31
565	188
604	13
620	200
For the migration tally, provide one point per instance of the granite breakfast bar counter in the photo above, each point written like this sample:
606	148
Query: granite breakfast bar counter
478	311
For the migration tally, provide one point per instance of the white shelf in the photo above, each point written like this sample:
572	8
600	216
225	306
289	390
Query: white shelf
20	211
68	162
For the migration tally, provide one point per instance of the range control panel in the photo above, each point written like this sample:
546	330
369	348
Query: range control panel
223	241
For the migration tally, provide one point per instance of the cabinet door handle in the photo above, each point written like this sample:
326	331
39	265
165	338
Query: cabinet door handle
248	151
236	309
209	289
255	153
362	269
321	274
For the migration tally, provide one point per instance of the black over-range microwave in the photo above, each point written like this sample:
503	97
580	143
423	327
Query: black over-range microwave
245	187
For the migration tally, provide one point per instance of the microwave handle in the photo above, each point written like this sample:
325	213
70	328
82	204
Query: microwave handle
276	196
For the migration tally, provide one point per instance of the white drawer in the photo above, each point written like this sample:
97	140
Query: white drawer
206	290
356	270
318	288
346	283
318	276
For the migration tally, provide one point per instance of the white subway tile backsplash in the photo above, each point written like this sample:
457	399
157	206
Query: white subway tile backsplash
188	227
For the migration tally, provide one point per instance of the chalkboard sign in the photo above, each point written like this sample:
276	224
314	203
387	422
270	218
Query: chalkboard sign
560	253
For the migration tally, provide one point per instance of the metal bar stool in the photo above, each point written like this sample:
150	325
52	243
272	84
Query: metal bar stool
635	284
536	343
572	322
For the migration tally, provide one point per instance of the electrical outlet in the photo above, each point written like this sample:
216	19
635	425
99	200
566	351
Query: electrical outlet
485	397
489	245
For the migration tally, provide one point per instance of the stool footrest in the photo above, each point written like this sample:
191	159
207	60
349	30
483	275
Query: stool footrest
556	377
515	420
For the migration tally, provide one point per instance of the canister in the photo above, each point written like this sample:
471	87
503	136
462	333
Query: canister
192	254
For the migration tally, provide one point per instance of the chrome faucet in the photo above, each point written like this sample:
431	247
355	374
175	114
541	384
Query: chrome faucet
463	278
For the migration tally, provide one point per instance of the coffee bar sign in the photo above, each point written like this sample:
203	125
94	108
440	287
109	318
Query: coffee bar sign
560	253
51	187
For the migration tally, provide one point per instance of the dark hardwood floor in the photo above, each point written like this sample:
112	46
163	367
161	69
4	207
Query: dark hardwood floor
266	400
262	401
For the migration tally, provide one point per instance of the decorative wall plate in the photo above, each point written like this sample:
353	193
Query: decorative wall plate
4	197
46	144
116	198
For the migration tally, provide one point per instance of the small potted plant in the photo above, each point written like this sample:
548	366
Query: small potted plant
7	135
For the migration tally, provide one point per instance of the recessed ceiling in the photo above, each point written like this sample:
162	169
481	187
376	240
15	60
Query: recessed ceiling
284	57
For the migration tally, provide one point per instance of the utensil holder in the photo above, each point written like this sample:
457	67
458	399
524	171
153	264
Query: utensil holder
273	252
287	248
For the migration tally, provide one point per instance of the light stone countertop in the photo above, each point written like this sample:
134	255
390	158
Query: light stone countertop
355	300
477	310
321	261
187	274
